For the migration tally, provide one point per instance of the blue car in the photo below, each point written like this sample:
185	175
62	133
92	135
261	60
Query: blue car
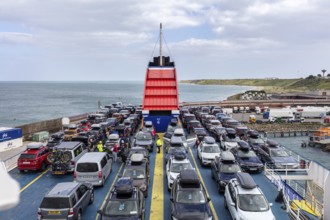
277	157
188	197
247	158
223	169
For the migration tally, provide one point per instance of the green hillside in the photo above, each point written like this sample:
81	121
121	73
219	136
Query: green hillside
270	85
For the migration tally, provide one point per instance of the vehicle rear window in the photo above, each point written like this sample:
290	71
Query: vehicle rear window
87	167
27	156
55	203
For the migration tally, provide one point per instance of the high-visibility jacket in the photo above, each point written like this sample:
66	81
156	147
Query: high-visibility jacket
100	147
159	142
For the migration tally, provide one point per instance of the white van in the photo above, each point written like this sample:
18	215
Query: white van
94	168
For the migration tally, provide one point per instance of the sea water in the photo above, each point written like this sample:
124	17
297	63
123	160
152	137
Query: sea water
27	102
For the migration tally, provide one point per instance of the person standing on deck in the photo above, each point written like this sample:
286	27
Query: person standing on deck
115	150
159	144
100	146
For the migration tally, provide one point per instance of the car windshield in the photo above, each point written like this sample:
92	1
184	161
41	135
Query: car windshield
190	196
229	168
144	136
246	153
256	141
134	173
211	149
119	208
87	167
177	167
27	156
69	132
252	203
215	123
231	138
278	153
55	203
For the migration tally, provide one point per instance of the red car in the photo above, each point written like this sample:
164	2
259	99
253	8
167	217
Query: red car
34	158
85	125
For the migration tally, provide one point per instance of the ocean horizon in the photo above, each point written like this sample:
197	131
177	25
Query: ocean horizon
24	102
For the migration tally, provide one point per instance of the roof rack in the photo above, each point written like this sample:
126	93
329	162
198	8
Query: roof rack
180	155
34	146
243	145
246	181
136	158
124	186
272	143
209	140
189	179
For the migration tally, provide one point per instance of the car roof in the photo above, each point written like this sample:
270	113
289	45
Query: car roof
176	140
34	146
113	136
62	189
92	157
208	140
178	131
227	156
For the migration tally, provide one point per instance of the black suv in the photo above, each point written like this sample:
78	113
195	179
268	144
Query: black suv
223	169
188	197
124	202
137	168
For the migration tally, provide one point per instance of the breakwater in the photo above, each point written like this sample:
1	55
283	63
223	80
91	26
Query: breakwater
51	125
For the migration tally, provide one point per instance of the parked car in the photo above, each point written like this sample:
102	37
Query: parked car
276	156
149	127
112	140
186	118
229	139
193	124
84	126
223	169
232	123
34	157
212	123
188	197
247	158
124	202
217	132
55	139
175	165
207	150
200	134
144	139
65	156
137	168
71	131
245	200
255	141
94	168
66	200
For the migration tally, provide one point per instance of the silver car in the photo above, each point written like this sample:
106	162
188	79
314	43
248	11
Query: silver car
66	201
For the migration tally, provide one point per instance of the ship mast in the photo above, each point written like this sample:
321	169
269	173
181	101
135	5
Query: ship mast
160	45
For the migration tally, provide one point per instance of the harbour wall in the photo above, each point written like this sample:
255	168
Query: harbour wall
51	126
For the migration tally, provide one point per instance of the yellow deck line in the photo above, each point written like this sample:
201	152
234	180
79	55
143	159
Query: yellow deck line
113	183
215	216
157	199
35	179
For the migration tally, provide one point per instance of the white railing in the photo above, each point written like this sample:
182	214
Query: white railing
277	180
11	162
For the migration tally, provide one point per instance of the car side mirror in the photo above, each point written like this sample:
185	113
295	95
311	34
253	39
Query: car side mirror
270	204
232	204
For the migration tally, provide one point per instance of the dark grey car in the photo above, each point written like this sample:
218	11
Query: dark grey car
144	139
66	201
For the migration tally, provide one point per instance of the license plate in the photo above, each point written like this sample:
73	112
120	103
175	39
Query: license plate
26	162
58	172
253	169
54	212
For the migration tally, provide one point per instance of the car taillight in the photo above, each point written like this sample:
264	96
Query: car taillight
74	175
71	212
39	213
72	162
100	174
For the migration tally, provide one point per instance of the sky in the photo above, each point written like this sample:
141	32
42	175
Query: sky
96	40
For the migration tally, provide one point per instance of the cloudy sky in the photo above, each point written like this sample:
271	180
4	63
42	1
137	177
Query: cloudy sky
114	40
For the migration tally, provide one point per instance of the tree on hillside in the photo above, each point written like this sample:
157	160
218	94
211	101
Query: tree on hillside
310	77
319	75
328	75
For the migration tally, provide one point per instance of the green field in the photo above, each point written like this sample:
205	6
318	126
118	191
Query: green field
271	85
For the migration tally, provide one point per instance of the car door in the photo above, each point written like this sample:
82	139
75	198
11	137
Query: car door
231	202
168	166
199	151
214	169
83	196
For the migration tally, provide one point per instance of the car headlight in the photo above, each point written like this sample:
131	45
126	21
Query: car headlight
171	177
173	218
223	183
210	218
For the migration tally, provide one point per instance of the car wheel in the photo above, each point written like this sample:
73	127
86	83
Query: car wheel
91	200
225	202
79	217
43	167
219	187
